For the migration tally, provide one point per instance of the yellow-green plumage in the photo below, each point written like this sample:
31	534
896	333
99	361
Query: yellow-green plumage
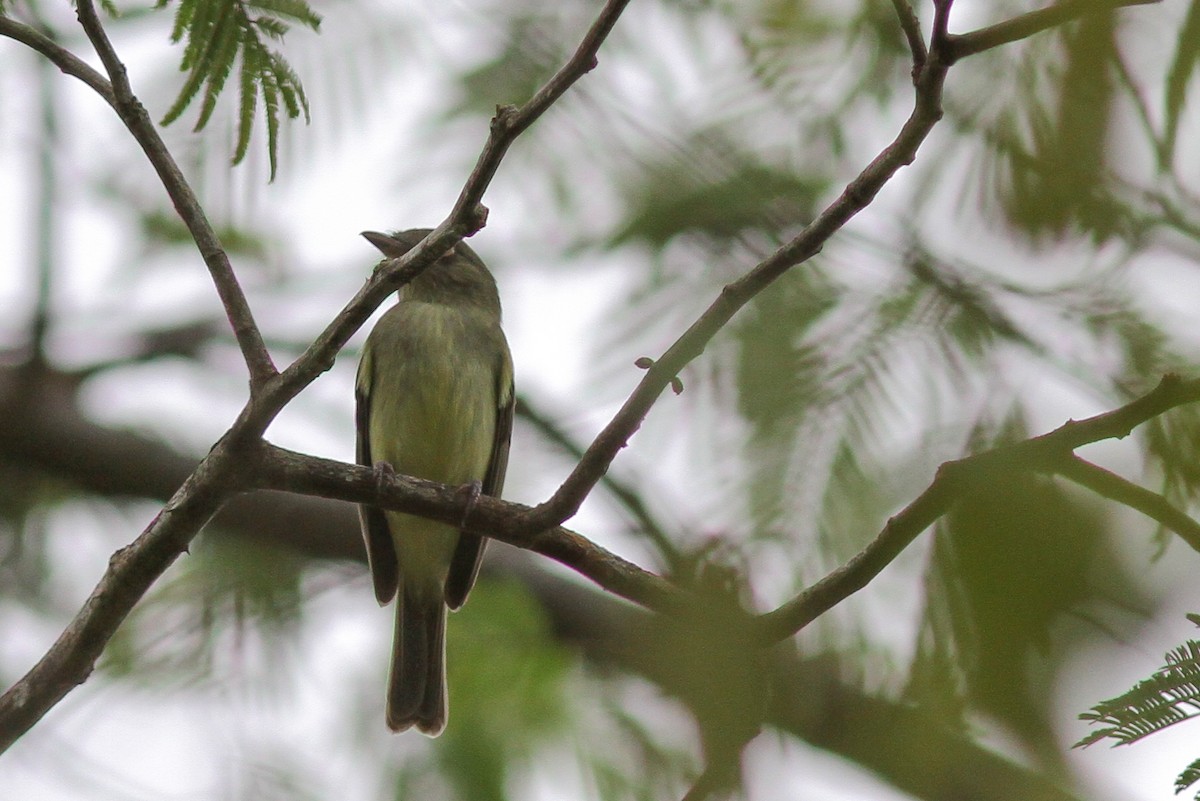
435	400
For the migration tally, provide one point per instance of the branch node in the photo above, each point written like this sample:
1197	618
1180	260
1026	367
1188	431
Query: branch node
475	220
505	117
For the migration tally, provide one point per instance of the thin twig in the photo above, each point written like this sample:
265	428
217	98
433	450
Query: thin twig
1026	25
912	32
1112	486
1046	454
133	114
280	469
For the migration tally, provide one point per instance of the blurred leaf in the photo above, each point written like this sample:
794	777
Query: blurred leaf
1063	179
779	377
1010	563
277	776
228	591
797	46
1187	59
714	189
1174	440
533	50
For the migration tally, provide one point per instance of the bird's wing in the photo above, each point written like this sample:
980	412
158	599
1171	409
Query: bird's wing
468	554
381	552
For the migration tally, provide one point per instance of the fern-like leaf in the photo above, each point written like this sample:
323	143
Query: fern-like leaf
270	90
190	87
219	63
296	10
1189	776
183	17
220	32
289	83
1169	696
199	31
273	28
248	103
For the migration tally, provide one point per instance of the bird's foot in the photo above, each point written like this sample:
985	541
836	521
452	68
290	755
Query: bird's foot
384	473
470	492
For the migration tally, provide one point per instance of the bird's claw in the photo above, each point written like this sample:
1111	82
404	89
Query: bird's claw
384	473
471	491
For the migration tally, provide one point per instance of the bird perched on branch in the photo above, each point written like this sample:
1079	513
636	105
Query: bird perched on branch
434	398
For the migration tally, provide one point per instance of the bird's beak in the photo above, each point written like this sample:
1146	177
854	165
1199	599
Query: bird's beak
388	245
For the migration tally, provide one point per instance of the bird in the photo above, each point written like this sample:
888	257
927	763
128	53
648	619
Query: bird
434	399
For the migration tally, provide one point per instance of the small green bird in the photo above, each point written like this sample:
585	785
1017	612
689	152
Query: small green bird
434	400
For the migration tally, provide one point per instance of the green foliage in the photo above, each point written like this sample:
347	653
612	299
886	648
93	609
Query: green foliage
1174	439
1187	61
1010	563
793	46
533	50
1064	179
734	194
228	590
1170	695
508	686
218	33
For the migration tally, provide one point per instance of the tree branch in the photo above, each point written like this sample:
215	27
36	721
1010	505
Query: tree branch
941	25
1044	454
1114	487
1026	25
133	114
912	32
810	700
280	469
228	468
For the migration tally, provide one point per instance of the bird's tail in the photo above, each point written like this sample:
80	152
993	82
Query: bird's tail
417	683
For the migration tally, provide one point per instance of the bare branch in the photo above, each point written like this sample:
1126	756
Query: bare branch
941	25
1043	454
280	469
1114	487
912	32
1026	25
133	114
